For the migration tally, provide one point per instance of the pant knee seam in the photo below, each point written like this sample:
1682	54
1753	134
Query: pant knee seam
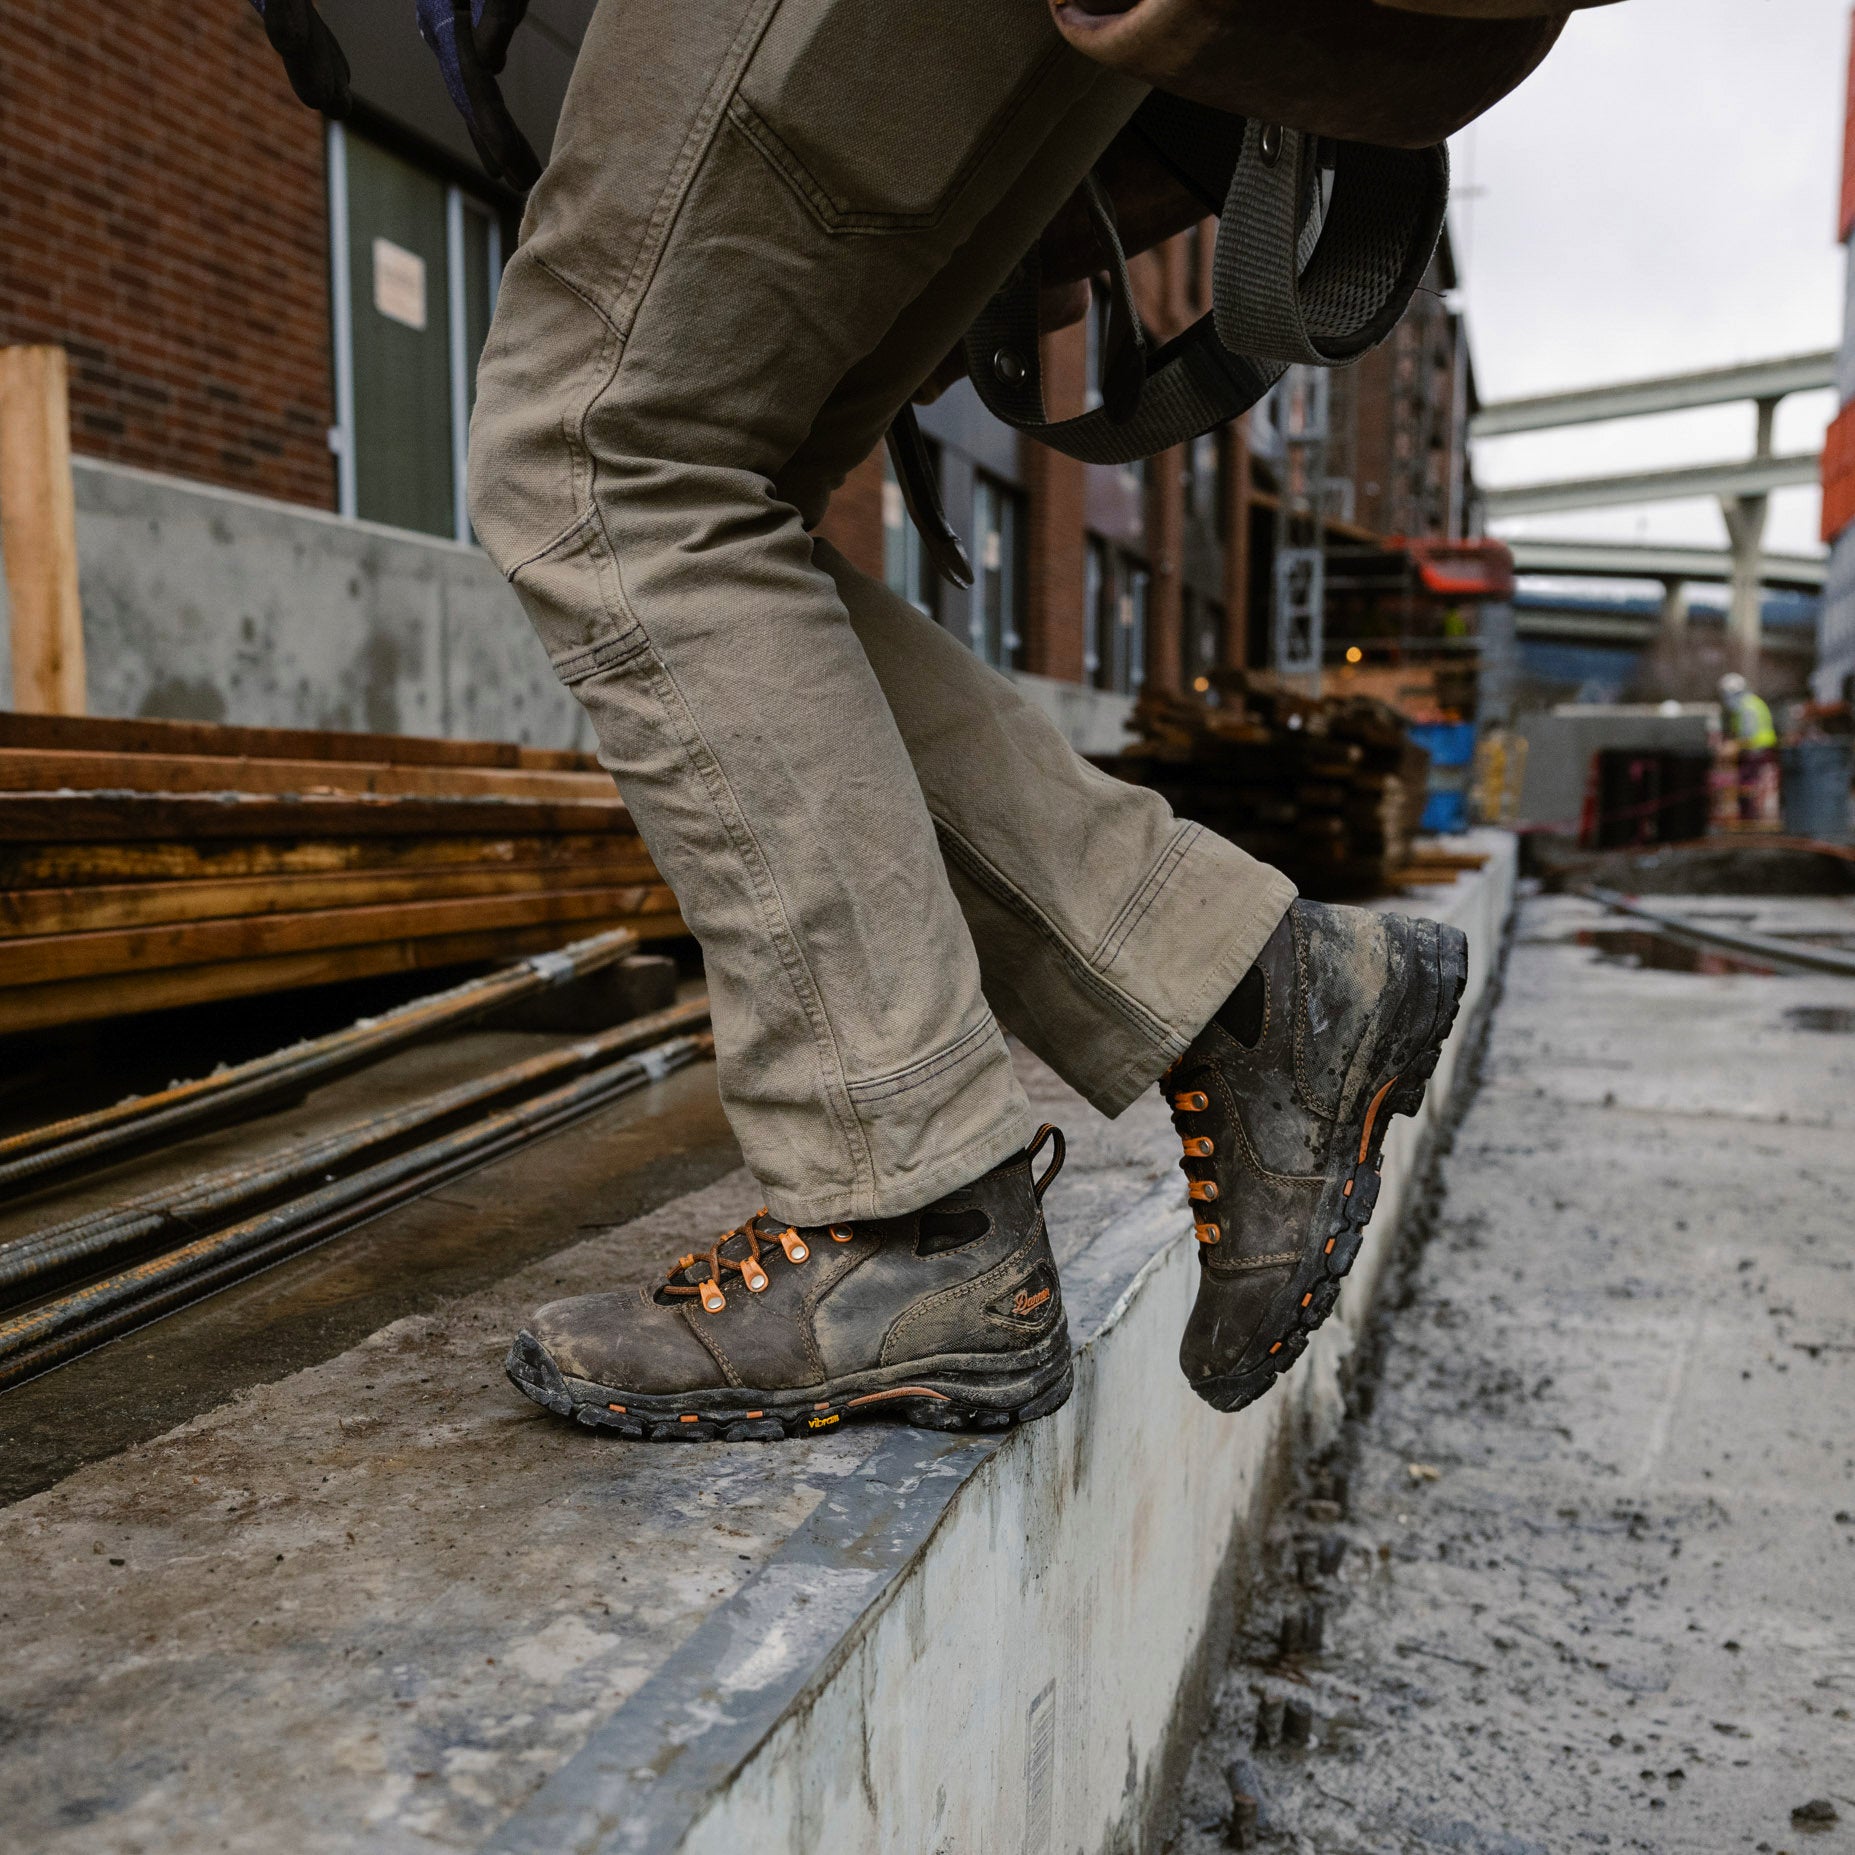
1143	898
1002	889
769	903
928	1068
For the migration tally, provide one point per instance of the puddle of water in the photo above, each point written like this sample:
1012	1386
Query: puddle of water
1647	950
1838	1020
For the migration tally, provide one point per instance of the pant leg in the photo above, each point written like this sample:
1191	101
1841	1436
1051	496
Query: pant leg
745	198
1108	930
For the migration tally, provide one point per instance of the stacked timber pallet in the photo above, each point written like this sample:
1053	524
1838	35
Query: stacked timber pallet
1329	790
145	864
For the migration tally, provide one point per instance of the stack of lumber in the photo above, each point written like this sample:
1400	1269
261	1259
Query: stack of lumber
145	864
1329	790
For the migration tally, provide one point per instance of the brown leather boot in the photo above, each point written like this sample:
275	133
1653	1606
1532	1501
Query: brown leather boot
950	1318
1282	1103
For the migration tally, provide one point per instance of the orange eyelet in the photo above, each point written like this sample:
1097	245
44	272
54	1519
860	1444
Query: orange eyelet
1204	1191
1200	1149
1194	1102
713	1300
842	1236
756	1279
794	1245
1207	1234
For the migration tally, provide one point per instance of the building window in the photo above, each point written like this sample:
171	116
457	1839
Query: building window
415	263
1115	588
906	569
999	573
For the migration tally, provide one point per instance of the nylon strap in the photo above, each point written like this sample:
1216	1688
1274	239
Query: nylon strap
1304	272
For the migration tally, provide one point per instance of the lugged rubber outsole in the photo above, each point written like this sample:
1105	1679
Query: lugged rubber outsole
745	1417
1412	1046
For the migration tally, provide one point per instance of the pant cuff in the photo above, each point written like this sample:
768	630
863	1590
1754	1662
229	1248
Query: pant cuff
1177	952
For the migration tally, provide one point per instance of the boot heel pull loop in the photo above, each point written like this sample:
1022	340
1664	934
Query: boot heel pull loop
1052	1134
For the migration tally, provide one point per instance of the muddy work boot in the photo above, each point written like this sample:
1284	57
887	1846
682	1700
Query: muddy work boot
1282	1102
950	1318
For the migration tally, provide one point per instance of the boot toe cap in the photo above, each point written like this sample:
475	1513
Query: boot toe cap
625	1341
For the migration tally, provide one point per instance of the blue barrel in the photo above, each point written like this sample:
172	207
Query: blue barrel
1816	788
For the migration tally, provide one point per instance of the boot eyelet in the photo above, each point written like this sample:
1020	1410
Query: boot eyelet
1200	1149
1207	1234
842	1236
1204	1191
713	1300
794	1245
1194	1102
757	1281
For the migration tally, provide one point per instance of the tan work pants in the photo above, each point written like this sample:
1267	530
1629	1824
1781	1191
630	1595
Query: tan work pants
763	224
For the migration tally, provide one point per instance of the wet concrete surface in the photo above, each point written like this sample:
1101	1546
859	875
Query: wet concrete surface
1581	1572
374	1600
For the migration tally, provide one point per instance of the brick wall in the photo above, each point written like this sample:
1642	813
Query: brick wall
163	216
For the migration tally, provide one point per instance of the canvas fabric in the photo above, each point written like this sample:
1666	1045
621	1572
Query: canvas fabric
764	223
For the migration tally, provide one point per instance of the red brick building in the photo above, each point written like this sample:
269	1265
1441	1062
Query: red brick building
257	300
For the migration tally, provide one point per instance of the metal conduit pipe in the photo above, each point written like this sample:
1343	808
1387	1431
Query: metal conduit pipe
56	1331
1798	954
184	1210
43	1150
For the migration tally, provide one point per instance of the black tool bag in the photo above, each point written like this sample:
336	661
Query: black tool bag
1320	246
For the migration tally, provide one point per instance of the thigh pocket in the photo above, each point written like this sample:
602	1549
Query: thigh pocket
877	111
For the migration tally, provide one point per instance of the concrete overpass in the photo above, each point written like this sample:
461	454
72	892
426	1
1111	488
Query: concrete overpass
1743	488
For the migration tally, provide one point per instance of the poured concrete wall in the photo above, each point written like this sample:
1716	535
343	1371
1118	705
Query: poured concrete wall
1001	1651
202	604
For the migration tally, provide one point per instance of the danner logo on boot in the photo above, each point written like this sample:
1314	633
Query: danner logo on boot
1031	1300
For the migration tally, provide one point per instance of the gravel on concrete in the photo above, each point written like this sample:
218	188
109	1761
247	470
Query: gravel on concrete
1580	1573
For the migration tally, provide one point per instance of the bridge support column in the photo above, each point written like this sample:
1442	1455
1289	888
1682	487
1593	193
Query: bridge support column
1745	528
1674	610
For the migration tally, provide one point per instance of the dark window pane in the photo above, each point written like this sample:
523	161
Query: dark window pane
401	314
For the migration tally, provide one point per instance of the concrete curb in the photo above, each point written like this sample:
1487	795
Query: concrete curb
968	1624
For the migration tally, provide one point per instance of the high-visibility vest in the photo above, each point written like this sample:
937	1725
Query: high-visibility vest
1752	722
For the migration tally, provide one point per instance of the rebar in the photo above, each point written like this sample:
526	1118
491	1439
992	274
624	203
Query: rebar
1799	954
187	1209
30	1156
55	1331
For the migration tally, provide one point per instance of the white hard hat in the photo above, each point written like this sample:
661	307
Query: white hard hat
1732	685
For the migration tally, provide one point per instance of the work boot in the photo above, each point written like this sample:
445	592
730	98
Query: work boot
950	1318
1282	1102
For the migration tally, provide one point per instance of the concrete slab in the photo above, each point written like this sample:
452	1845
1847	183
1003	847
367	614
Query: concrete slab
1616	1612
382	1602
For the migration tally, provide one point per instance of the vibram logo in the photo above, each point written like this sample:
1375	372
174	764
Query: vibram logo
821	1423
1028	1303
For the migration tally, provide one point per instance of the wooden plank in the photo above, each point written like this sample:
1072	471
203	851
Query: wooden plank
101	817
75	1001
67	866
48	957
38	532
155	904
38	769
141	735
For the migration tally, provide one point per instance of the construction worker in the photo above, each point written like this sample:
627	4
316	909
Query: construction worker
1751	742
764	226
1748	717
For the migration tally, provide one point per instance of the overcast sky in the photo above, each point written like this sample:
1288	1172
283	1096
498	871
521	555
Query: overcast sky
1660	195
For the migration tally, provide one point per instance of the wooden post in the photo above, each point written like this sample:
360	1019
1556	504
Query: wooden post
38	532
